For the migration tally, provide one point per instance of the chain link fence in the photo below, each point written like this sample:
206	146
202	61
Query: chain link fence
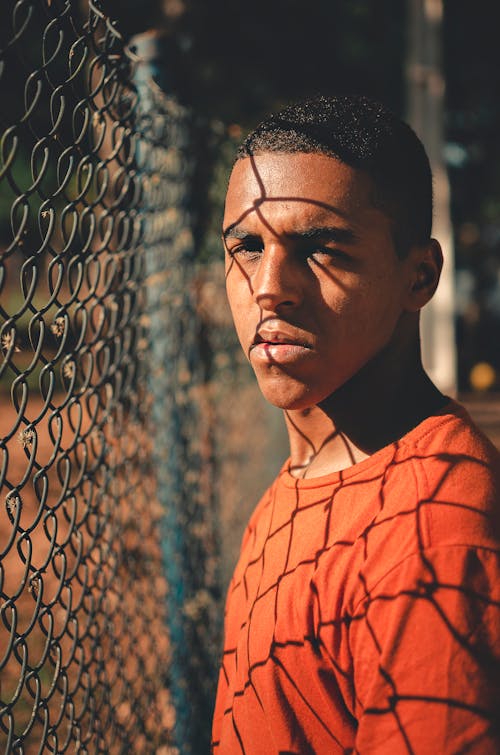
108	578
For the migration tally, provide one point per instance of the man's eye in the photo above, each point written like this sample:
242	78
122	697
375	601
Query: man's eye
323	252
248	248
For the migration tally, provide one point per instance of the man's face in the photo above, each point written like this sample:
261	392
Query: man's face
313	280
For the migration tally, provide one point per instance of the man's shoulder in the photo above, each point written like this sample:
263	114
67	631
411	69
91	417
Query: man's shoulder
440	499
454	483
452	430
450	453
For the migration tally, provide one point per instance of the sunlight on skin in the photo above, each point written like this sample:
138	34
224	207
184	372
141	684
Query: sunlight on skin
325	310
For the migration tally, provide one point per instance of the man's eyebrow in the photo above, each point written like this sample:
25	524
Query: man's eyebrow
236	231
328	233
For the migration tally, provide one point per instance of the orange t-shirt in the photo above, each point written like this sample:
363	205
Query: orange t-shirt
364	613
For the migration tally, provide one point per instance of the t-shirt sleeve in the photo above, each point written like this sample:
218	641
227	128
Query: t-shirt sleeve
425	645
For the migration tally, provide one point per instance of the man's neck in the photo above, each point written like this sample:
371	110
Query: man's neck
379	405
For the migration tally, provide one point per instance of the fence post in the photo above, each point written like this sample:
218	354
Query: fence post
179	416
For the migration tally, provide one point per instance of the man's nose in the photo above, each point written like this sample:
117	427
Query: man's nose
277	280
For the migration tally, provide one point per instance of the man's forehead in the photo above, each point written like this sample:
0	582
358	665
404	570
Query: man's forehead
311	186
275	171
293	176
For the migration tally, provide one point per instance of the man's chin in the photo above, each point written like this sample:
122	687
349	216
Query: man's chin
291	393
288	395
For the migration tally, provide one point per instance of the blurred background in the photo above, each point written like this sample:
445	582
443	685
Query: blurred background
434	62
234	63
134	441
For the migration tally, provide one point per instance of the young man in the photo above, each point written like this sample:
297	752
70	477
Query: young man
364	612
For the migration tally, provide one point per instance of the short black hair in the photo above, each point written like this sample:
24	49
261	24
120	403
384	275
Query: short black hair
365	135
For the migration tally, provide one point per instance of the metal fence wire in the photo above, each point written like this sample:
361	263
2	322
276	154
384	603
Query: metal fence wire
103	497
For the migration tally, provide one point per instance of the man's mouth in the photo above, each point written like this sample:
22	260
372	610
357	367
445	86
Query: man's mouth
279	338
279	346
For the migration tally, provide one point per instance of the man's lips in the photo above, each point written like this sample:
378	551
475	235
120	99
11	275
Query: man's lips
280	346
280	338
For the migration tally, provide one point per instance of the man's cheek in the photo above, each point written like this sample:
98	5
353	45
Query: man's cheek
244	334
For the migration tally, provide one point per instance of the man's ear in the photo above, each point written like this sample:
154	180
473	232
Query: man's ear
426	263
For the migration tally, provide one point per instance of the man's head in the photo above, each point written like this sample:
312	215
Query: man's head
315	281
368	137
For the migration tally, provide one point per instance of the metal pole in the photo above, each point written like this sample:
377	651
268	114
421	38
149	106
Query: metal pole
425	104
